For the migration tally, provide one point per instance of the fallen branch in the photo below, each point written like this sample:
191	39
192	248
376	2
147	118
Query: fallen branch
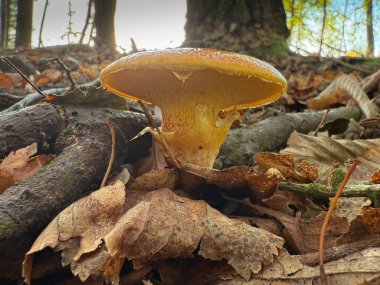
78	135
321	191
272	134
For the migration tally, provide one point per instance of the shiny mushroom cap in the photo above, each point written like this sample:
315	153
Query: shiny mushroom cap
191	86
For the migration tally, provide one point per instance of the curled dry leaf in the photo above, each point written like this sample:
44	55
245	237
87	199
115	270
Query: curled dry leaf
322	153
165	225
19	166
79	229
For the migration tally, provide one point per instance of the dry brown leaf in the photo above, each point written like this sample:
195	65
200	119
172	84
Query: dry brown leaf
302	234
350	208
194	271
169	226
261	185
370	218
53	75
5	81
154	180
358	268
19	166
323	153
199	271
350	86
283	162
79	229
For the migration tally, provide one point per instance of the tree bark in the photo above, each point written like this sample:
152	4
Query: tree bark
24	24
272	134
255	27
104	23
370	36
5	9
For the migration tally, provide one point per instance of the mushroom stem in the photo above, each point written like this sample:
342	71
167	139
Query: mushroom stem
197	137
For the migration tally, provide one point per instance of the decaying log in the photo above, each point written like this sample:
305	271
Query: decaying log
272	134
82	142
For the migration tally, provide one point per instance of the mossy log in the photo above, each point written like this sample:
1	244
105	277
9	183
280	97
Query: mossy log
272	134
81	140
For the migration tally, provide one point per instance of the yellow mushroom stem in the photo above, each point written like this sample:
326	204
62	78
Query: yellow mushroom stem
195	133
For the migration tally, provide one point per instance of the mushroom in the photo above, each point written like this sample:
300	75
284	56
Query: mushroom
191	86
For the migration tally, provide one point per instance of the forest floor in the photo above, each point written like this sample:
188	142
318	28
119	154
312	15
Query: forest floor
256	218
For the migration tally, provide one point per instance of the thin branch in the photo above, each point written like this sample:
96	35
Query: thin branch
327	218
88	16
321	123
42	23
155	127
112	158
24	76
64	67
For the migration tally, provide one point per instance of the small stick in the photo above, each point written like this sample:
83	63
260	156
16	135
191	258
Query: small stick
24	76
64	67
326	221
112	158
321	123
154	125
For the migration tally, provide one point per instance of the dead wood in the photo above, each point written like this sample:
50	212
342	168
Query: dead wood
272	133
81	139
338	252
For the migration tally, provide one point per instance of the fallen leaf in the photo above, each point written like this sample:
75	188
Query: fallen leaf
323	152
357	268
169	226
19	166
5	81
79	229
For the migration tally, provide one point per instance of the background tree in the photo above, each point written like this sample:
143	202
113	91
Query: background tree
368	5
24	25
104	23
256	27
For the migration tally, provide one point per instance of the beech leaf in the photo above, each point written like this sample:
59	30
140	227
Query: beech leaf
19	166
323	152
165	225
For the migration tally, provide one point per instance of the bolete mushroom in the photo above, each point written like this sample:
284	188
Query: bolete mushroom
191	86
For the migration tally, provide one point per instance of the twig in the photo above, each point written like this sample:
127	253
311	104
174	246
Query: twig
86	22
326	221
321	123
112	158
24	76
155	127
337	252
64	67
42	23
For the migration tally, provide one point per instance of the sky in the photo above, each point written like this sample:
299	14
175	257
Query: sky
152	24
157	24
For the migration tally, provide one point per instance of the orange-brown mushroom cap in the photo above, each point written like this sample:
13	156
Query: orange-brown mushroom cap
191	86
131	76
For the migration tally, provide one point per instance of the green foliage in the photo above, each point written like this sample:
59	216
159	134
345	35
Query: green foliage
344	29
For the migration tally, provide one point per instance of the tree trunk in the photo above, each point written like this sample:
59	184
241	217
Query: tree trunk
24	24
104	23
5	8
255	27
370	36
